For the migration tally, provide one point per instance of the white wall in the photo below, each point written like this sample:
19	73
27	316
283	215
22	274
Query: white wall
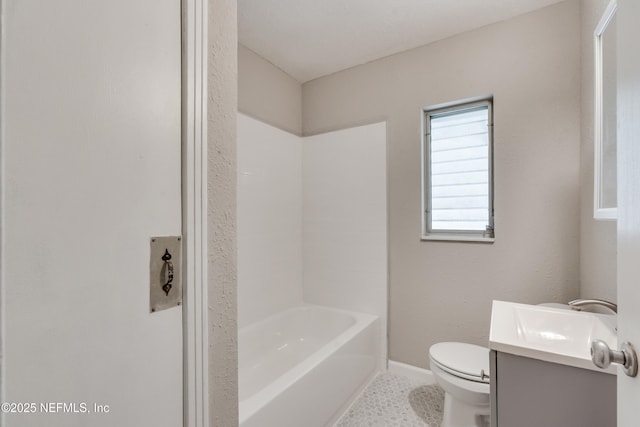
311	220
345	220
442	291
269	220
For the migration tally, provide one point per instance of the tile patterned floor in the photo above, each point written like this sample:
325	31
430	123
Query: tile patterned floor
393	400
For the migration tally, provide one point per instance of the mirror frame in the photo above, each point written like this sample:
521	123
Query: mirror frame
598	211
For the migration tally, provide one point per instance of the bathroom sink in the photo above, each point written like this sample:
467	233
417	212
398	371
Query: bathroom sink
550	334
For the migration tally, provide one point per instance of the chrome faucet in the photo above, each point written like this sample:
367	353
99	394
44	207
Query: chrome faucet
577	304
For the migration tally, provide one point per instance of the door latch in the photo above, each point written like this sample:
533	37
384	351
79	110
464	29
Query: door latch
165	288
168	272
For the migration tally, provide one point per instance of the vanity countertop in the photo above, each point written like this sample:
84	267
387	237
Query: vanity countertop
550	334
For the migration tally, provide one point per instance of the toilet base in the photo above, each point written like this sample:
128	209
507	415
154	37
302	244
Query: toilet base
460	414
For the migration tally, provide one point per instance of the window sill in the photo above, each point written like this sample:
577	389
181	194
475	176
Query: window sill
457	238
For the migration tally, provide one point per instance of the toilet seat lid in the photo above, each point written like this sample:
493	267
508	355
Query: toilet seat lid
461	359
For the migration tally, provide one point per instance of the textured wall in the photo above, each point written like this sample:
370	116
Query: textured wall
598	239
531	64
267	93
221	223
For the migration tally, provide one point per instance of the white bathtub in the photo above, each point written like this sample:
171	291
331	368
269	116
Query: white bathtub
302	366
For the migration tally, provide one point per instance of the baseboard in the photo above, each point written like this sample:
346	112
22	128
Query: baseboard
411	371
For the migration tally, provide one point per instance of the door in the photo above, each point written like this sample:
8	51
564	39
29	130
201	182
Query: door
628	16
91	170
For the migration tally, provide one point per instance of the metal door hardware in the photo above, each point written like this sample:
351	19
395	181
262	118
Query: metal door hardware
602	356
168	272
165	287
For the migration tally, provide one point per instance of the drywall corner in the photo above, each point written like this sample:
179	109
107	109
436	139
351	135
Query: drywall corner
221	222
267	93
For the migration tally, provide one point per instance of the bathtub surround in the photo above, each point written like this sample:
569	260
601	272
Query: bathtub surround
344	224
312	220
441	291
269	220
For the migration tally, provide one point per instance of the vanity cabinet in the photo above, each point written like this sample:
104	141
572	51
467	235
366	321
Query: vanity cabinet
527	392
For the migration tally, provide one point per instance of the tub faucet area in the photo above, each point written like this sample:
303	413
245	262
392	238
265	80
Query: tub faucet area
577	304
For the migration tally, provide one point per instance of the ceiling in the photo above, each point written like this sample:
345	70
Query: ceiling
312	38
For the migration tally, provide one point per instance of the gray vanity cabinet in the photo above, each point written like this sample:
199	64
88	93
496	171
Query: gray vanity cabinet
527	392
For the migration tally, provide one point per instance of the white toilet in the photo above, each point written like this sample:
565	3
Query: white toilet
462	370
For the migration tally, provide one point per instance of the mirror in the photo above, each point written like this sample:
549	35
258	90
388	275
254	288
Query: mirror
605	151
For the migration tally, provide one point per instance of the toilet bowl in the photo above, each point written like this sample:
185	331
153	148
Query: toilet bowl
462	370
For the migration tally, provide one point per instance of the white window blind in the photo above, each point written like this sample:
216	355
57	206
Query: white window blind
459	176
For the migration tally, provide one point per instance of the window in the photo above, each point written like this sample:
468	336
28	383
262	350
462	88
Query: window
457	172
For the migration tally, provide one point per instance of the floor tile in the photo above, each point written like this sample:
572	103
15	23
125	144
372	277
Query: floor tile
393	400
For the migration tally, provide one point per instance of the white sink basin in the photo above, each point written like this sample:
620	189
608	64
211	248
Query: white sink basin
550	334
